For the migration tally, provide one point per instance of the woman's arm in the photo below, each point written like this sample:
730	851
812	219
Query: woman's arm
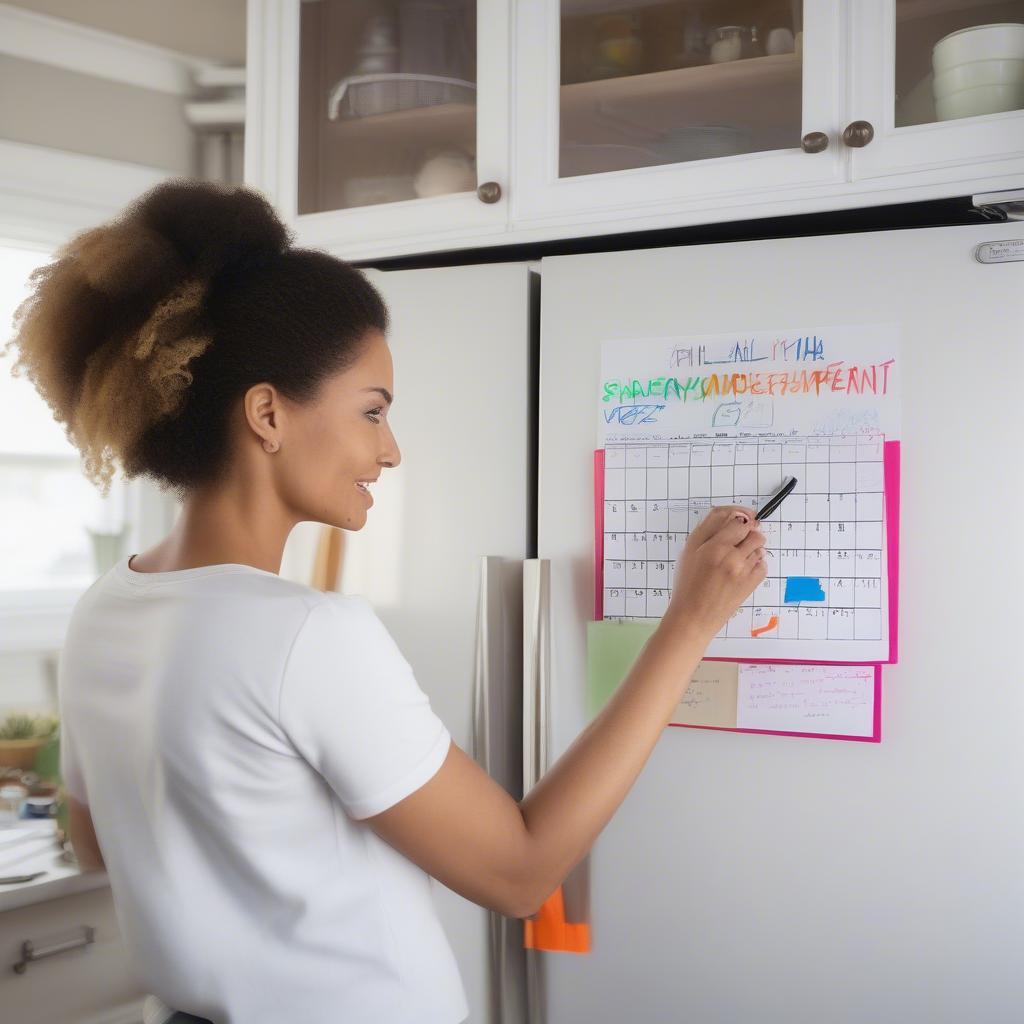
83	837
466	831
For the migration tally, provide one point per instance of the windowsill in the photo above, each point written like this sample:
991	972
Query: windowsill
37	619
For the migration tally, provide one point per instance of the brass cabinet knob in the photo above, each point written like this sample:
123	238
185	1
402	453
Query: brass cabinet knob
814	142
858	134
489	192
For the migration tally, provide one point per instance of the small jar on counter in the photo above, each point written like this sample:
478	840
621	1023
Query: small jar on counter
12	798
40	806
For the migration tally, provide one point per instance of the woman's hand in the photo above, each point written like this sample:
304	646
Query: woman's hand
720	565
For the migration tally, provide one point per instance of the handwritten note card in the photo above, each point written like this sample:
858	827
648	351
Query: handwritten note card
832	699
710	699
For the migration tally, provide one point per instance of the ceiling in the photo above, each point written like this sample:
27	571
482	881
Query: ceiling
212	29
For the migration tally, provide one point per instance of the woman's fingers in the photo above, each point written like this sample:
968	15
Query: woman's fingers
752	543
717	519
735	531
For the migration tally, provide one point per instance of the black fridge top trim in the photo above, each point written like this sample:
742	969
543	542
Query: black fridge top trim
894	217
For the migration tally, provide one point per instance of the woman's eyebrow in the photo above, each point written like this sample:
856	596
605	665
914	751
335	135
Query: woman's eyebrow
384	392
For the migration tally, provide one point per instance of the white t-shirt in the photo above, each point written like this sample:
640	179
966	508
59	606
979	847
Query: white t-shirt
228	729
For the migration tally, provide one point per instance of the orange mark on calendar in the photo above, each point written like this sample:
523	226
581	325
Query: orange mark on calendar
772	623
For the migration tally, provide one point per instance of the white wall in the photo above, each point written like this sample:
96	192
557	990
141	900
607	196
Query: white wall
79	113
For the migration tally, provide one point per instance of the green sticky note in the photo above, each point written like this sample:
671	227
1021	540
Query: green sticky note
612	647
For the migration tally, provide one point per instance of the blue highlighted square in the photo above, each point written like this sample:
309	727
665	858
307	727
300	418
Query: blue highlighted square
803	588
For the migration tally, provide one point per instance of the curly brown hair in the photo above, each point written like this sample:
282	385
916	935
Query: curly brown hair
144	332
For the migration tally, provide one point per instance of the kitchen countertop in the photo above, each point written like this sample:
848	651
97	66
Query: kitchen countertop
30	846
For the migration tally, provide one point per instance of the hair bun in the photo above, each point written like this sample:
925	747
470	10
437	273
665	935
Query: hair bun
179	231
212	227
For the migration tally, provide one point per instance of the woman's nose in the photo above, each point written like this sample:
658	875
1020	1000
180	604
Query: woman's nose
391	456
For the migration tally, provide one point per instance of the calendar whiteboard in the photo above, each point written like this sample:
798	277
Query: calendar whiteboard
681	435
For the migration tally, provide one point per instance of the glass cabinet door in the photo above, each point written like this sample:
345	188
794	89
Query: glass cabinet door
941	85
956	59
677	80
624	104
387	102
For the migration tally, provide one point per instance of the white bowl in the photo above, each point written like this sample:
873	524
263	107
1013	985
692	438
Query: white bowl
978	72
981	42
983	99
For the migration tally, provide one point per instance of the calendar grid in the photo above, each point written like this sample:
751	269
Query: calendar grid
824	546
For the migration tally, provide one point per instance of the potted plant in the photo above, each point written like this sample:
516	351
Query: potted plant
22	737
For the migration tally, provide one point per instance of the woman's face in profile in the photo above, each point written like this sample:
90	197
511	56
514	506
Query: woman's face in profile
340	444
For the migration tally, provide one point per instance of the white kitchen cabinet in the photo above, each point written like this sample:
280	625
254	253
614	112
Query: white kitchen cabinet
893	91
588	117
329	126
83	984
692	133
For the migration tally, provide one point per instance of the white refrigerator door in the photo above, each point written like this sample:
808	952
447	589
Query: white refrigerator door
460	339
781	880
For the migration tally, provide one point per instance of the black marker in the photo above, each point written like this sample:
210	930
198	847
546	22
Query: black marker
776	499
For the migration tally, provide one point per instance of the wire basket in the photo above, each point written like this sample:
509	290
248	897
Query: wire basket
384	93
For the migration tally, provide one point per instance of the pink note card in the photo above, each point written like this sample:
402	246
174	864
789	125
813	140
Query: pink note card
829	702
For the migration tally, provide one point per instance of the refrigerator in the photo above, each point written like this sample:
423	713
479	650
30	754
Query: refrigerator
745	877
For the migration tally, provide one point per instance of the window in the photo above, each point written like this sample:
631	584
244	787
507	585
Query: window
55	525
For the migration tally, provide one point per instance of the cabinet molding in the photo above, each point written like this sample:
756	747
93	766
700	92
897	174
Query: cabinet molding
47	194
89	51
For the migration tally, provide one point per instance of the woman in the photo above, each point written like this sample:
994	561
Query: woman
250	759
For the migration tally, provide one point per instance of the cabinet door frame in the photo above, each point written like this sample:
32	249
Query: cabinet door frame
952	150
271	145
700	188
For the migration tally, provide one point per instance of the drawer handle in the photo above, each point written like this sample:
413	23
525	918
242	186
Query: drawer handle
29	953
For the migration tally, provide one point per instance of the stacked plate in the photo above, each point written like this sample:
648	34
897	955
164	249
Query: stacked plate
979	70
703	142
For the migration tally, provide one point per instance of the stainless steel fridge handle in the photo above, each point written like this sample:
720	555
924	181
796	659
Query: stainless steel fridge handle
496	746
536	668
481	682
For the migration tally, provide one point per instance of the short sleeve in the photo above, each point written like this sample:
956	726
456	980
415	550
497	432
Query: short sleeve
352	708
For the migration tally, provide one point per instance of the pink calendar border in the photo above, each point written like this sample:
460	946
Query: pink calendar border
891	470
598	533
